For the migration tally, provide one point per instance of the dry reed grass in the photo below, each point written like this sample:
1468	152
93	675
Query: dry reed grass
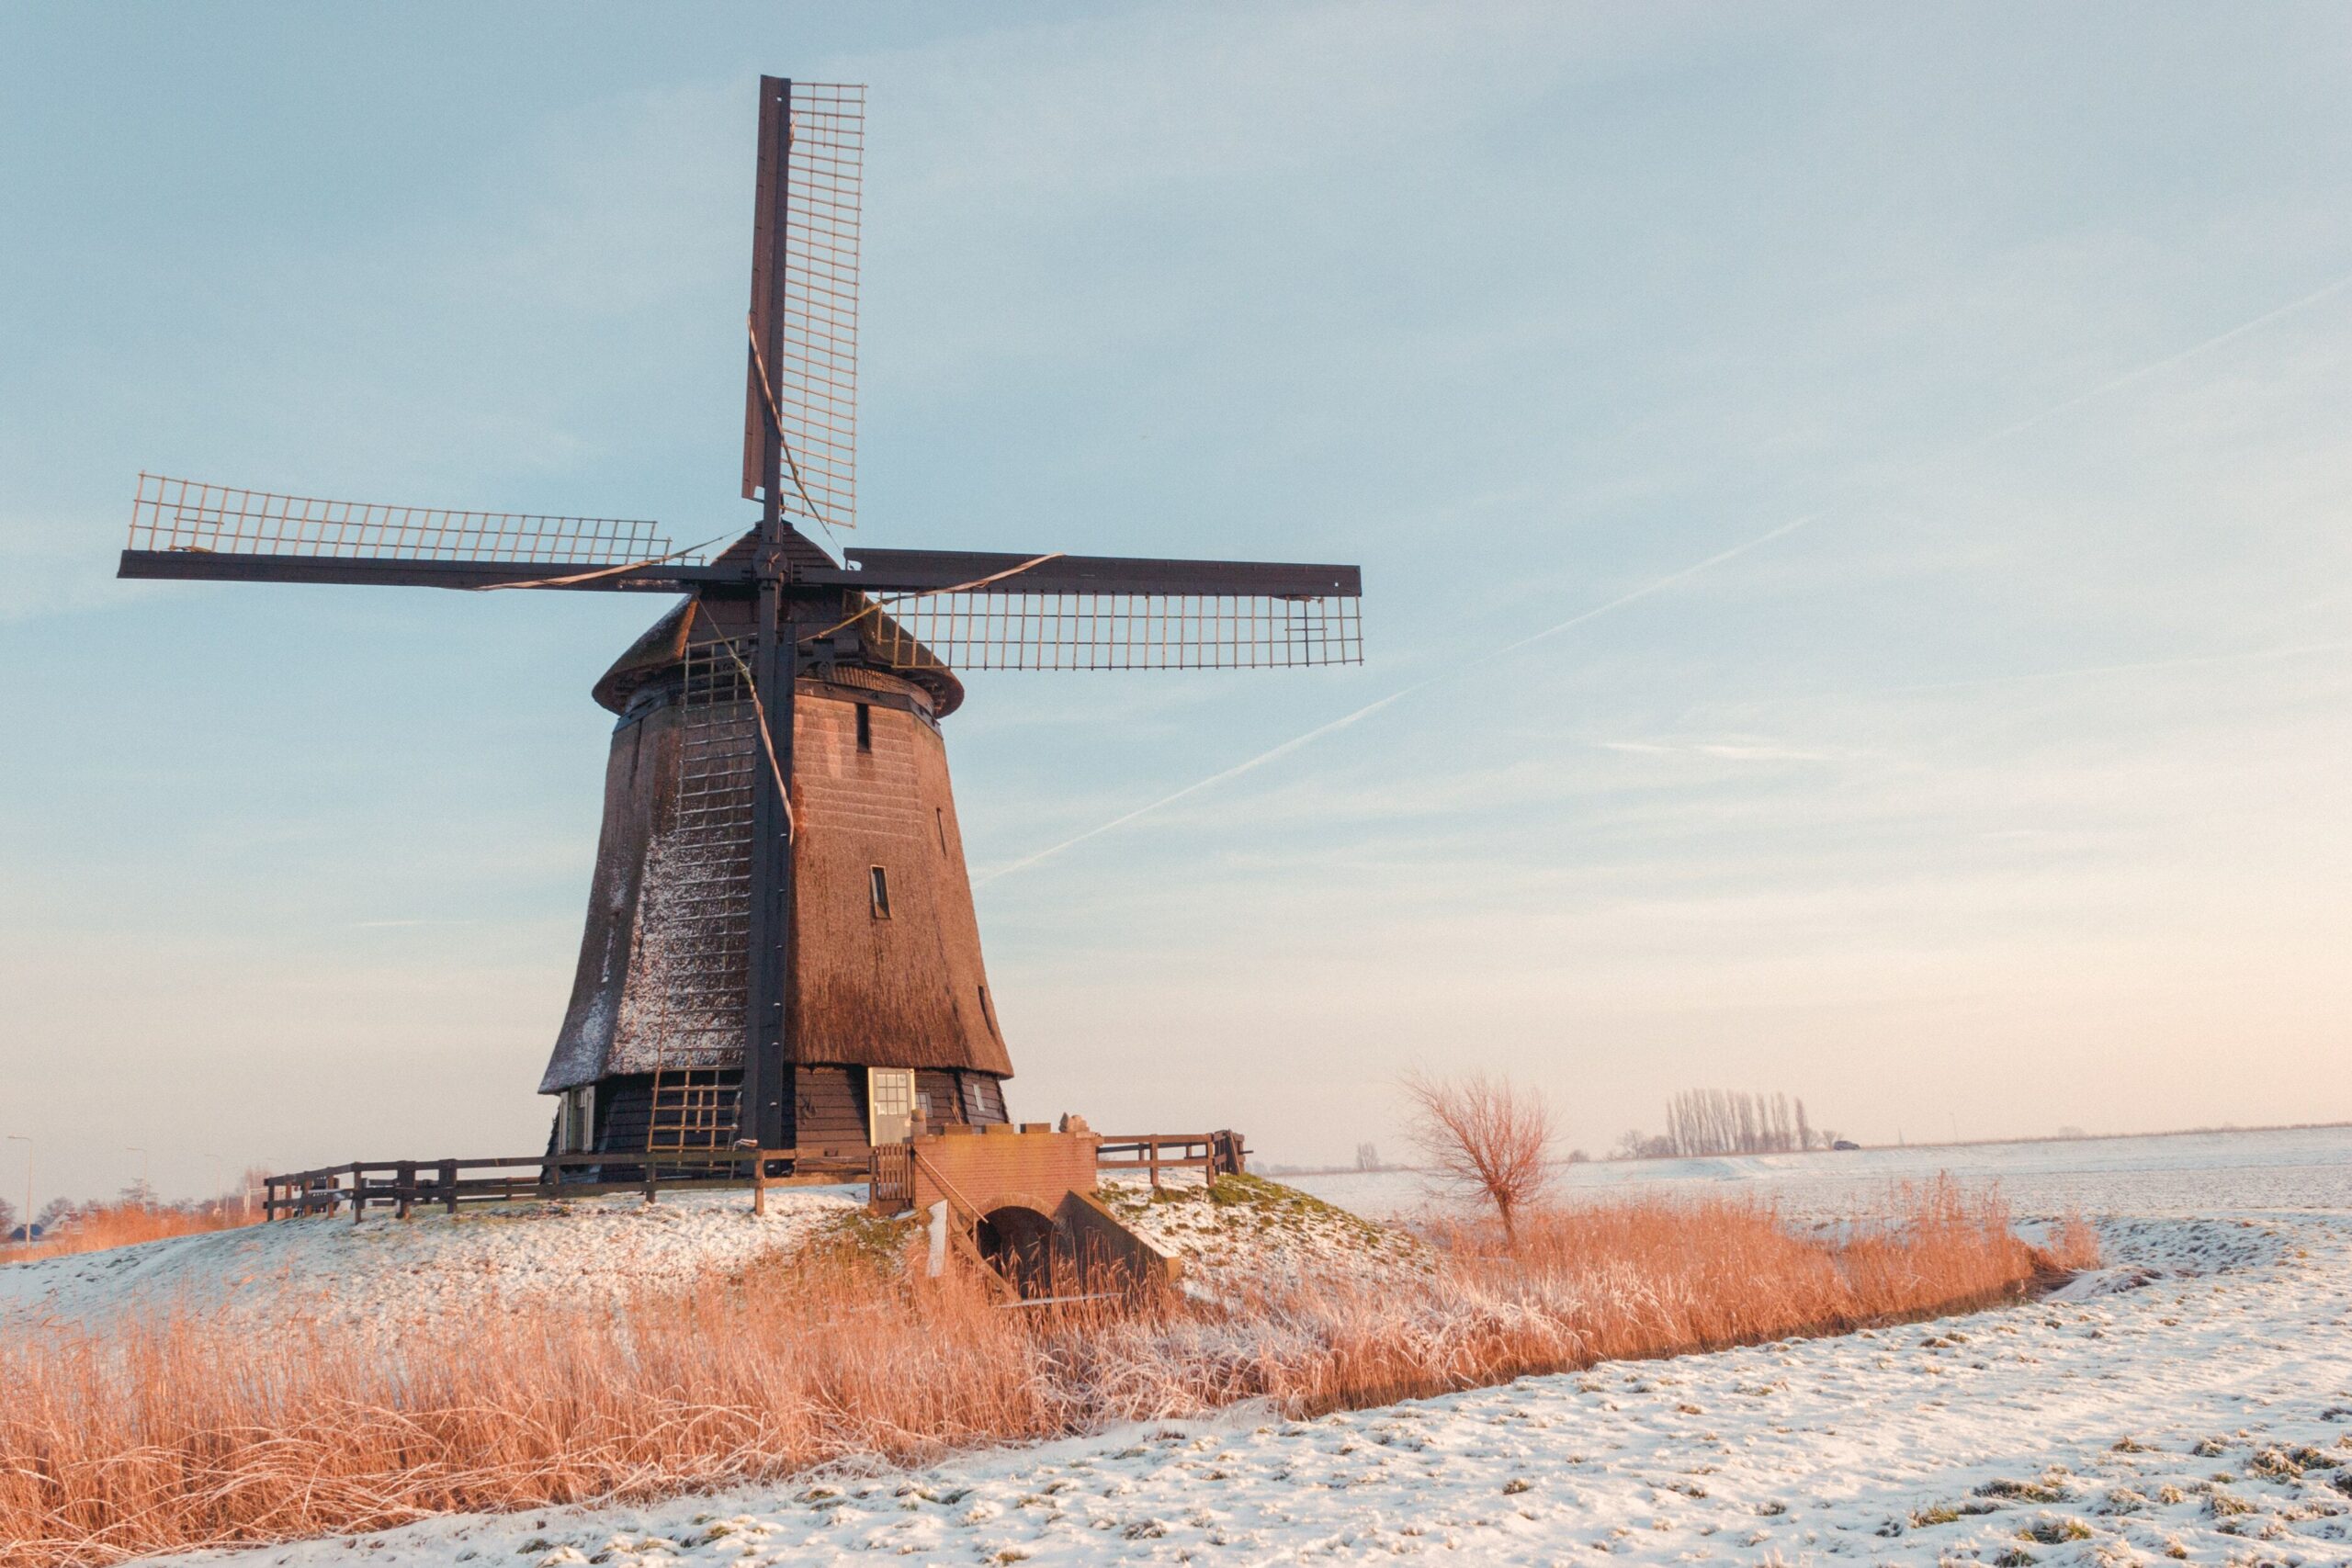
107	1225
172	1434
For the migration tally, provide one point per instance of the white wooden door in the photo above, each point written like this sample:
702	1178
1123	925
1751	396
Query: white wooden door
890	1104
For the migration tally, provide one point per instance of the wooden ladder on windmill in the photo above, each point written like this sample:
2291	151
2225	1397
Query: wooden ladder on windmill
694	1106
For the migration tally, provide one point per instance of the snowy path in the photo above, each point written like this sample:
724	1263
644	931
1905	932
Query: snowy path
2235	1361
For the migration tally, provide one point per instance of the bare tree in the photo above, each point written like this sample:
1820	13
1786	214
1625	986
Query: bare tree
1484	1135
1638	1145
1367	1156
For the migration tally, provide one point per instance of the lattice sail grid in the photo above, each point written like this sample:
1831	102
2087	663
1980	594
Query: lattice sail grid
186	515
818	403
1115	631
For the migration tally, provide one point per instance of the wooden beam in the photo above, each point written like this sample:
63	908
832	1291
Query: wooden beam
912	571
392	571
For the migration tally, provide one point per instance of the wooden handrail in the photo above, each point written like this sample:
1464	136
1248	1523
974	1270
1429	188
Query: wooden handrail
965	1233
954	1196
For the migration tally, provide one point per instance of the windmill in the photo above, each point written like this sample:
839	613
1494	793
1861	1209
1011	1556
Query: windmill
781	945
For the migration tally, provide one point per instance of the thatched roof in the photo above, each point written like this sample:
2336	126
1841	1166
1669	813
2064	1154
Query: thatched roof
903	988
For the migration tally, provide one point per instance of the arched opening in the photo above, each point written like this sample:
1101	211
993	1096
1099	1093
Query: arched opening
1019	1244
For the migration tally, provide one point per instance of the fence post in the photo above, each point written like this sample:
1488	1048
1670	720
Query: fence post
652	1179
359	1191
1152	1145
448	1179
403	1188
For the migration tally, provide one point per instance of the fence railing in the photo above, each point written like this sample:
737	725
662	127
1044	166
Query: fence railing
893	1181
1214	1154
403	1185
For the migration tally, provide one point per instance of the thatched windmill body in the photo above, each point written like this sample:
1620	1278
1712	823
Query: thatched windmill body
781	945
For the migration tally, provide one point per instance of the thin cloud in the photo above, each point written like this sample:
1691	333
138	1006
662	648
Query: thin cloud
1723	751
1674	579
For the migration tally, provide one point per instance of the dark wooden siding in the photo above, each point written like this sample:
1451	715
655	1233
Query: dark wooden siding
938	1092
829	1106
623	1105
983	1100
830	1103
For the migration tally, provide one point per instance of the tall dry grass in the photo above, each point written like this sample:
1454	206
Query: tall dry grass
179	1433
99	1227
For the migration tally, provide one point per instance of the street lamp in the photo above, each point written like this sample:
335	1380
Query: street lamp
22	1138
221	1190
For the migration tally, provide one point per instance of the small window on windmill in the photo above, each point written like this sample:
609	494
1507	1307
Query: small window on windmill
865	727
880	883
576	1112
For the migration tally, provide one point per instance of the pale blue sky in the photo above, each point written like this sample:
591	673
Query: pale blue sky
2006	792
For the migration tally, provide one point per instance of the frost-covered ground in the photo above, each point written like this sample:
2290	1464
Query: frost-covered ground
1246	1233
2193	1400
362	1277
2180	1173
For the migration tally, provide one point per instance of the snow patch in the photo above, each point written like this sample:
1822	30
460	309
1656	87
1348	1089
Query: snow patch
362	1278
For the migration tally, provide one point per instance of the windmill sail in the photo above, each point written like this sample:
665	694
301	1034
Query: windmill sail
940	609
186	529
803	365
190	516
1117	631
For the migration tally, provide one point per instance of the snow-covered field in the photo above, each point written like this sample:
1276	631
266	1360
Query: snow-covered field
2181	1173
362	1278
2192	1399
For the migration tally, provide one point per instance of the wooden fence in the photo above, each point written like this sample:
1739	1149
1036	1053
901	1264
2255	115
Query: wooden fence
403	1185
1213	1154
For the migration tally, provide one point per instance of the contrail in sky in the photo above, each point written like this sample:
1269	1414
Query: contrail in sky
1399	694
2113	384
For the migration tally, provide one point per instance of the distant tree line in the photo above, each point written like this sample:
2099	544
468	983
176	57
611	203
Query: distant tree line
61	1216
1727	1122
